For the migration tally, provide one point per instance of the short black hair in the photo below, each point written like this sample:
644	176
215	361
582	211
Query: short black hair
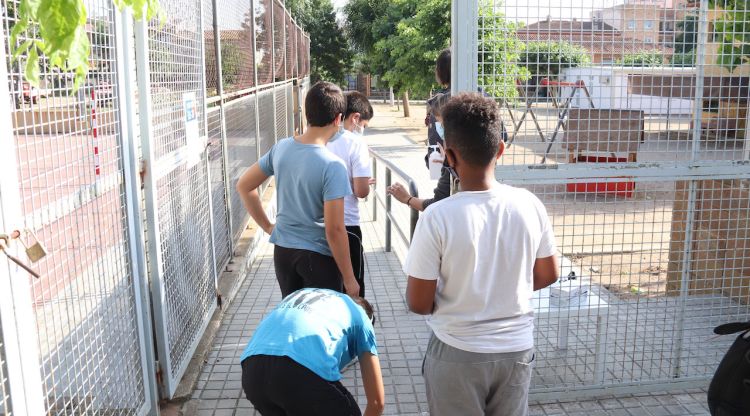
356	102
323	103
366	306
473	127
443	67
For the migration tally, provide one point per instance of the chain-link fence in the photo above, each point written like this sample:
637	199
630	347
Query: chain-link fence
623	120
178	98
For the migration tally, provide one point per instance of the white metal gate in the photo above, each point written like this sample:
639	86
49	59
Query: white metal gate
643	170
74	340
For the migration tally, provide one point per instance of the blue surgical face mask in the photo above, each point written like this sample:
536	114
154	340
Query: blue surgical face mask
440	129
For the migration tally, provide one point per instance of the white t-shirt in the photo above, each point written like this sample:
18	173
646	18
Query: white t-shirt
481	248
352	149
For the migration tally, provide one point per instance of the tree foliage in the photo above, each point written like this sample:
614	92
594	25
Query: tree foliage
55	30
331	56
549	58
687	37
499	52
400	40
732	31
642	58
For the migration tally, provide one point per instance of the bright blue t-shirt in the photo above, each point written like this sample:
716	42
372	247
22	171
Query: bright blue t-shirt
307	175
320	329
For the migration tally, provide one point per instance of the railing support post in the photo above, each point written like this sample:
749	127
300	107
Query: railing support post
375	191
388	199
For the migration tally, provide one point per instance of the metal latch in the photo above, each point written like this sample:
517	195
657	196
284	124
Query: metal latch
34	252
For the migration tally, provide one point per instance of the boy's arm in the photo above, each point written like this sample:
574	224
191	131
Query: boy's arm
373	382
247	187
338	241
546	272
420	295
361	187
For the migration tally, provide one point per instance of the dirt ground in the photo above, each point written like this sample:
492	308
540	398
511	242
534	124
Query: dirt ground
391	119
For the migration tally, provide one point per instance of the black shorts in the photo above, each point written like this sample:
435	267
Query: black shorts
297	269
279	386
357	253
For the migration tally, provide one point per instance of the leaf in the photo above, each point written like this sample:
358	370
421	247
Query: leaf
32	68
21	49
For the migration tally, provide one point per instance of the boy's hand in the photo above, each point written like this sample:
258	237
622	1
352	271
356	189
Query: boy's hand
351	287
399	192
269	229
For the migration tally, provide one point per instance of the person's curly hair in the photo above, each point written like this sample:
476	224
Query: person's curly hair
473	127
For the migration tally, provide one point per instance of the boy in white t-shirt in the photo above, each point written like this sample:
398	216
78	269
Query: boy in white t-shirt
350	146
474	262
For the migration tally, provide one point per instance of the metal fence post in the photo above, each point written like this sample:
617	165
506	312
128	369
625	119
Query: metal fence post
17	326
388	199
222	118
692	189
211	225
464	30
413	213
375	199
131	171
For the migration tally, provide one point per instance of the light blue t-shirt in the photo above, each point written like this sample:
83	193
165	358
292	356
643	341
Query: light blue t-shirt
321	329
306	176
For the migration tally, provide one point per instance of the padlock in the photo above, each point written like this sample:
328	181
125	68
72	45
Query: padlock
35	251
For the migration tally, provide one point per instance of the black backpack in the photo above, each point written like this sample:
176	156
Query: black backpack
729	391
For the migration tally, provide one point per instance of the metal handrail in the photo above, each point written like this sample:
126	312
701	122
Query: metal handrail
391	168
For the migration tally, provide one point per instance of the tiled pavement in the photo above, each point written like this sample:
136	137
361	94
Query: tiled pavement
402	336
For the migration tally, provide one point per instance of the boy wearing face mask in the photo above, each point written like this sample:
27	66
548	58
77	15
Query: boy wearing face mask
473	264
443	188
350	146
311	244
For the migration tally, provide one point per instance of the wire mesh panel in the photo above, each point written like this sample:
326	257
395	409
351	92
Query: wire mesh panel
266	120
236	39
69	150
291	48
211	67
300	53
264	41
289	112
279	93
626	120
279	41
220	211
6	405
242	153
178	191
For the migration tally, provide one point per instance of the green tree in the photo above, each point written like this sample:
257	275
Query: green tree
500	51
732	31
687	36
331	56
56	30
642	58
231	64
549	58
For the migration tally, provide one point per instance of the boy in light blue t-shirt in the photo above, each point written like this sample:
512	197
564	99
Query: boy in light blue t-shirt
293	363
311	243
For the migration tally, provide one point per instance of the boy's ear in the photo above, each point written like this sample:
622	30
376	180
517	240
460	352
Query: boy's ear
500	149
450	156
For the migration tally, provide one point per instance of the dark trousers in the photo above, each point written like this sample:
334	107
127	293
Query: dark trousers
279	386
357	253
297	269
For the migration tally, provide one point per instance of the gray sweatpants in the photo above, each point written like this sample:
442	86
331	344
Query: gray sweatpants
472	384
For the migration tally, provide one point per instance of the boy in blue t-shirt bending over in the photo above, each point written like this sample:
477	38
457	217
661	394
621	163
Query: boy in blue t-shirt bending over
293	363
311	244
